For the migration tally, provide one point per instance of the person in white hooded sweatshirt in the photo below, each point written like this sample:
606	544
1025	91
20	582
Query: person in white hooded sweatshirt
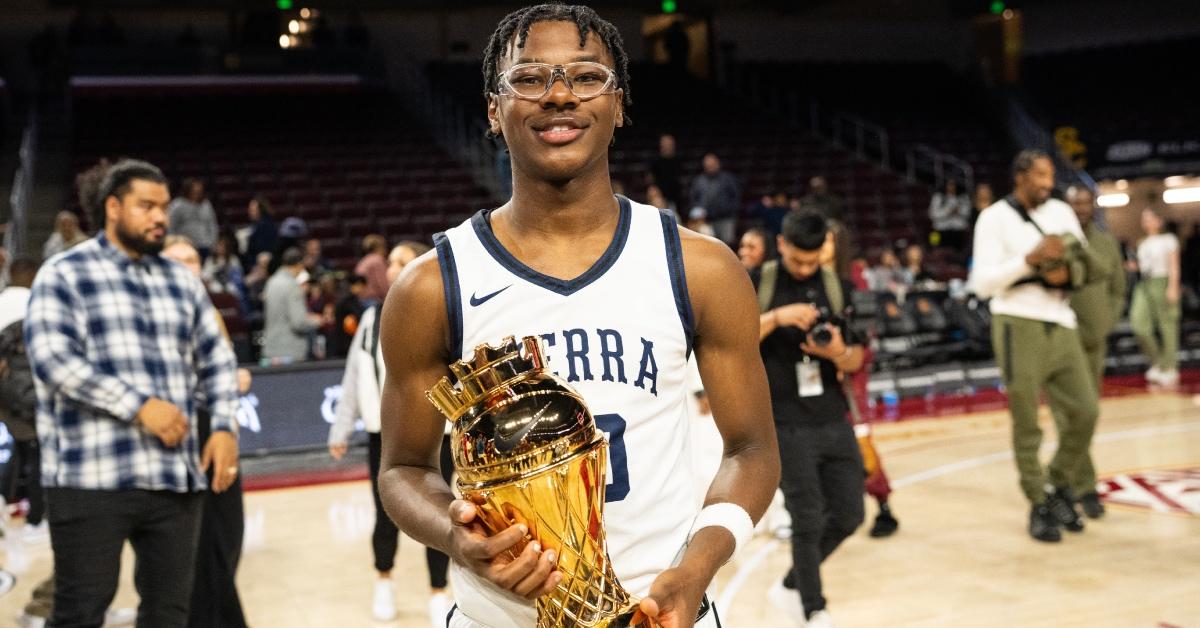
360	399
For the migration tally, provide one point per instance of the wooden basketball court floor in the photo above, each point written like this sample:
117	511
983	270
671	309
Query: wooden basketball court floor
960	558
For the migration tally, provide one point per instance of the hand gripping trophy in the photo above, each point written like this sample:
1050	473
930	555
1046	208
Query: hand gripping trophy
527	450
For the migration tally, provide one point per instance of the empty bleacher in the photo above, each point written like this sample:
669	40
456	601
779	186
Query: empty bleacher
348	162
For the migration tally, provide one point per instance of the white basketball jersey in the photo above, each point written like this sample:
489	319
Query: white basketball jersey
620	334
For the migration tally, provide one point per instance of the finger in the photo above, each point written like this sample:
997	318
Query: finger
649	606
462	512
506	538
534	585
206	457
508	576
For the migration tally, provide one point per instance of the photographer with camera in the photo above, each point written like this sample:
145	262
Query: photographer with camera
1029	257
806	346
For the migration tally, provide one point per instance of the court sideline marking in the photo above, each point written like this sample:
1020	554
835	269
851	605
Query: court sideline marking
725	599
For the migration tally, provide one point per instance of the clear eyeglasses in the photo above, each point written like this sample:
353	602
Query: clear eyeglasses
532	81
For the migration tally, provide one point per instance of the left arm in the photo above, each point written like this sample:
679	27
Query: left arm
848	358
1173	277
727	326
216	368
1116	282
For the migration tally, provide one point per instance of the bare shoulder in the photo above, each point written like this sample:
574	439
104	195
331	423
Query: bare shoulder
706	255
415	309
716	280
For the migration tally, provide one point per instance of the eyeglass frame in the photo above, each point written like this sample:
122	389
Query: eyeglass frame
557	71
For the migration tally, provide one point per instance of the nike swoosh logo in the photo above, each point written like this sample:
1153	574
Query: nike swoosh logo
508	442
478	301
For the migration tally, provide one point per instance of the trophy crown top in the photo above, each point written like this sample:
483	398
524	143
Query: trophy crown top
486	370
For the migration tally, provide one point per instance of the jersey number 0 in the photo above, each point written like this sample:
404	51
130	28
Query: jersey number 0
618	486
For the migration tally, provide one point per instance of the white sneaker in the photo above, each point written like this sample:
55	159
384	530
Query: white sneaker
788	601
820	619
120	617
383	606
36	534
439	607
1154	375
1168	378
7	582
25	620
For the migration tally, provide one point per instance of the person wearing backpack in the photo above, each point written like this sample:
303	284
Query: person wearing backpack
807	345
18	399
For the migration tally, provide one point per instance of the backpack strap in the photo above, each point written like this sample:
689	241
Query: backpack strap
833	290
768	273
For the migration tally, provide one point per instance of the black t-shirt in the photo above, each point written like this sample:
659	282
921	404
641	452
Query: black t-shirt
781	353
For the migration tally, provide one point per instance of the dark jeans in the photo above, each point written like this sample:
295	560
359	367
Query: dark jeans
386	537
215	600
26	462
822	482
87	532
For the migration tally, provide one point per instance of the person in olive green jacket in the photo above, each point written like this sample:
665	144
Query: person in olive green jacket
1098	307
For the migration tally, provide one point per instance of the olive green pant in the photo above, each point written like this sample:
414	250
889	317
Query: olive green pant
1034	356
1085	480
1151	312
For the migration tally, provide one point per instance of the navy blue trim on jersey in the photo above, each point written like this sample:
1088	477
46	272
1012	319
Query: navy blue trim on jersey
683	302
565	287
454	314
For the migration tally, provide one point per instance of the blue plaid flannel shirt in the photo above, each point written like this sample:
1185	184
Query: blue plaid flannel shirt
104	334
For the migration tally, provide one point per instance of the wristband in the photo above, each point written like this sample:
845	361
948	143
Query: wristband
726	515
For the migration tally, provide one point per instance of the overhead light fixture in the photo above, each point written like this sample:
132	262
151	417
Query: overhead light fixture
1175	181
1114	199
1182	195
285	41
305	13
293	27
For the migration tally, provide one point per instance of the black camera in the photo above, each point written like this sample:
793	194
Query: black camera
822	330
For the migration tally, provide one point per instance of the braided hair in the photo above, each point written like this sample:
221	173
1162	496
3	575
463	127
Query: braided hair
514	29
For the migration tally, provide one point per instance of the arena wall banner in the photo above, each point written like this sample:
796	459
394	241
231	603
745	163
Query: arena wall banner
290	407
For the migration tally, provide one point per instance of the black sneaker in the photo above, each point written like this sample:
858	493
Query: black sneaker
1090	502
885	523
1043	526
1062	507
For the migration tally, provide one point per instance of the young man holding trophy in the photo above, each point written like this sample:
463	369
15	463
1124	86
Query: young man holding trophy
608	299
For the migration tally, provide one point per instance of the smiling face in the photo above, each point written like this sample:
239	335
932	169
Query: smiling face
557	137
1035	184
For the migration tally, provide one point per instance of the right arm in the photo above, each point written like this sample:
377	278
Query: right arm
802	315
414	334
56	344
348	407
994	269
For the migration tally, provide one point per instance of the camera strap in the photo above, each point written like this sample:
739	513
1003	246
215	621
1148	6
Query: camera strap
1012	201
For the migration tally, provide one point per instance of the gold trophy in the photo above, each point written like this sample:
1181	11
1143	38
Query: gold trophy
527	450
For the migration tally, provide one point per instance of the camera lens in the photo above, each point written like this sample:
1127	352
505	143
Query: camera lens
821	336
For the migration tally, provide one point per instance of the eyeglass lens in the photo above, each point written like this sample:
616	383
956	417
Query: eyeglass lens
533	80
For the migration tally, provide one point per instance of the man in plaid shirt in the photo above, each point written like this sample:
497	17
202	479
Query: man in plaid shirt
124	344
